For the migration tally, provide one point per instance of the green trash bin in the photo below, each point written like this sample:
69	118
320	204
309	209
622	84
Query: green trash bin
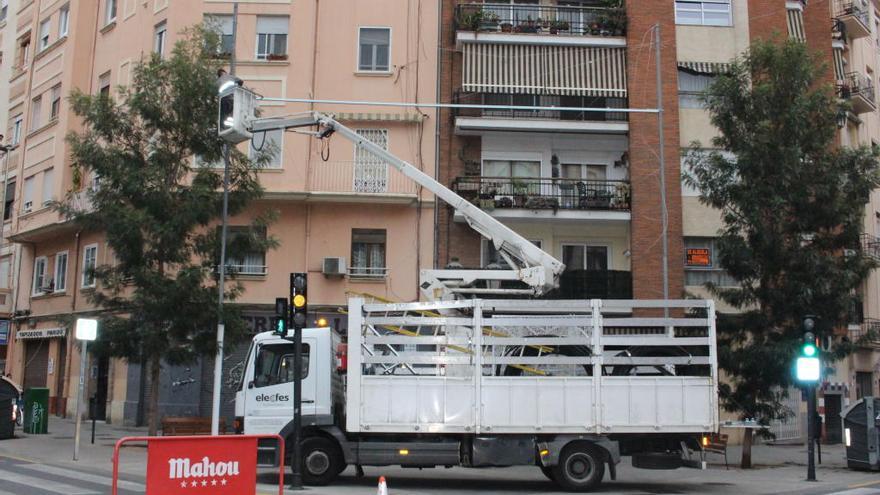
36	411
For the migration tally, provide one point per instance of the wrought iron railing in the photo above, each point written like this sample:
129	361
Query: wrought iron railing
531	100
544	194
541	19
867	333
852	8
871	246
856	84
594	284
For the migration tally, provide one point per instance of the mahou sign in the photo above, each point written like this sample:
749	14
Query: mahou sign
204	465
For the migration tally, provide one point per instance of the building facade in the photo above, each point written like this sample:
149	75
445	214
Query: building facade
353	223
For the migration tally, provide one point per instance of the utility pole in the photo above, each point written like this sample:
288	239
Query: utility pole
664	213
221	282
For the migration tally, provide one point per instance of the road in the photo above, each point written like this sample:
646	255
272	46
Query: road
21	477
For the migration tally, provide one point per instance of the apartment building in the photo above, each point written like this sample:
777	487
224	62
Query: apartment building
7	45
350	221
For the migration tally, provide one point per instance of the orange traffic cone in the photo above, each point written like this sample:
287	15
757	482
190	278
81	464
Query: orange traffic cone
383	487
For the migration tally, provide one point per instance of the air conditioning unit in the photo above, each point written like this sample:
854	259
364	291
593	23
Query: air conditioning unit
333	267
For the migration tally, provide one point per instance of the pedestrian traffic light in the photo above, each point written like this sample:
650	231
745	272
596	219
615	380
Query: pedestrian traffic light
281	316
299	283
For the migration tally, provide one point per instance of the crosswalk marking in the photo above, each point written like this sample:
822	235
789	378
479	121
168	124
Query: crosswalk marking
47	485
858	491
90	478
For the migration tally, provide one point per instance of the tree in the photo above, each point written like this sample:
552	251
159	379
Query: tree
158	211
792	207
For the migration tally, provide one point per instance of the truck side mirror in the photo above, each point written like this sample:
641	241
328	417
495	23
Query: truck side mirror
251	384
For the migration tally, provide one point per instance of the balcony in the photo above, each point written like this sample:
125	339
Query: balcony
594	284
475	121
854	17
866	334
541	20
871	247
517	197
859	91
372	178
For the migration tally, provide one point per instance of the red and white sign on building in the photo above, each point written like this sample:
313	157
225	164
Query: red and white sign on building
205	465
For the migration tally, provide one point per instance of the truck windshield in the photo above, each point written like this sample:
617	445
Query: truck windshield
274	364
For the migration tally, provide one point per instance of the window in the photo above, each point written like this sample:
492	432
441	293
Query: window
24	50
16	130
375	49
705	12
56	103
28	194
701	263
63	21
584	257
44	34
61	272
864	384
274	364
511	168
4	9
247	262
368	253
692	87
104	84
371	172
90	262
267	141
36	108
272	37
222	25
48	186
161	33
5	265
490	256
40	280
110	11
9	200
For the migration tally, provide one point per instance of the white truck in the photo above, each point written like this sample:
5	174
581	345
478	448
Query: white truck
567	386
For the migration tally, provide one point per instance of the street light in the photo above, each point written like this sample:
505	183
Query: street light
86	331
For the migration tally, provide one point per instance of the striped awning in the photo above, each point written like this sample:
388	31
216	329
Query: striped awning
705	67
544	70
796	25
839	64
378	117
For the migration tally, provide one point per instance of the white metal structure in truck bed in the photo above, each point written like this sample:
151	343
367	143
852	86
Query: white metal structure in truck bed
513	366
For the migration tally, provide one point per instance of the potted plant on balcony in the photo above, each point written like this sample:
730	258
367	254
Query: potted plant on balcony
487	198
557	26
520	192
276	57
506	27
488	21
622	193
528	26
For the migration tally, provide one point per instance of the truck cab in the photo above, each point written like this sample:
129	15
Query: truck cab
264	401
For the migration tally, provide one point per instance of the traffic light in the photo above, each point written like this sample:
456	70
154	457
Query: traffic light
299	284
281	316
808	367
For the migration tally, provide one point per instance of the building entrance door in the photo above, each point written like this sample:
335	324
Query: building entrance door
36	363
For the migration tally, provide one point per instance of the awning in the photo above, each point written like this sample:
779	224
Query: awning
839	64
796	25
705	67
544	70
379	117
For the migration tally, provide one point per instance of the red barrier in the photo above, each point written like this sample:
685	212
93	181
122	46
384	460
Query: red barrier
198	465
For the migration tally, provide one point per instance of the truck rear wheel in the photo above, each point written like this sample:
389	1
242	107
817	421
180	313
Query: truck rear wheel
322	461
581	467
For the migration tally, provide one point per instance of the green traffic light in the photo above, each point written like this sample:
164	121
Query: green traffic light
280	326
809	350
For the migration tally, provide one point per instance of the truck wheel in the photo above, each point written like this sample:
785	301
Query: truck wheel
581	467
322	461
548	472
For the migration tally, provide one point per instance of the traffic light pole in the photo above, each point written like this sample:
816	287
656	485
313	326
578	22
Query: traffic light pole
296	481
811	432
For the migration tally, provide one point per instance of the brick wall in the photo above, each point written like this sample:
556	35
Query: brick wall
454	240
767	18
817	25
646	224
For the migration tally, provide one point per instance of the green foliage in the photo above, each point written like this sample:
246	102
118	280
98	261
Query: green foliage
158	210
792	205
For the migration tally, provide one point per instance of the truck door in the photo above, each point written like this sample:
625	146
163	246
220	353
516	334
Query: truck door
269	394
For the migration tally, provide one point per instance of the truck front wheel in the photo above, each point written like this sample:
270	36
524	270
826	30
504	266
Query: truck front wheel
581	467
322	461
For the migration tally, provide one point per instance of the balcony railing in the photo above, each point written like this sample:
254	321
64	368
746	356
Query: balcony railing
544	194
866	334
859	89
855	18
367	177
541	19
529	100
594	284
871	246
